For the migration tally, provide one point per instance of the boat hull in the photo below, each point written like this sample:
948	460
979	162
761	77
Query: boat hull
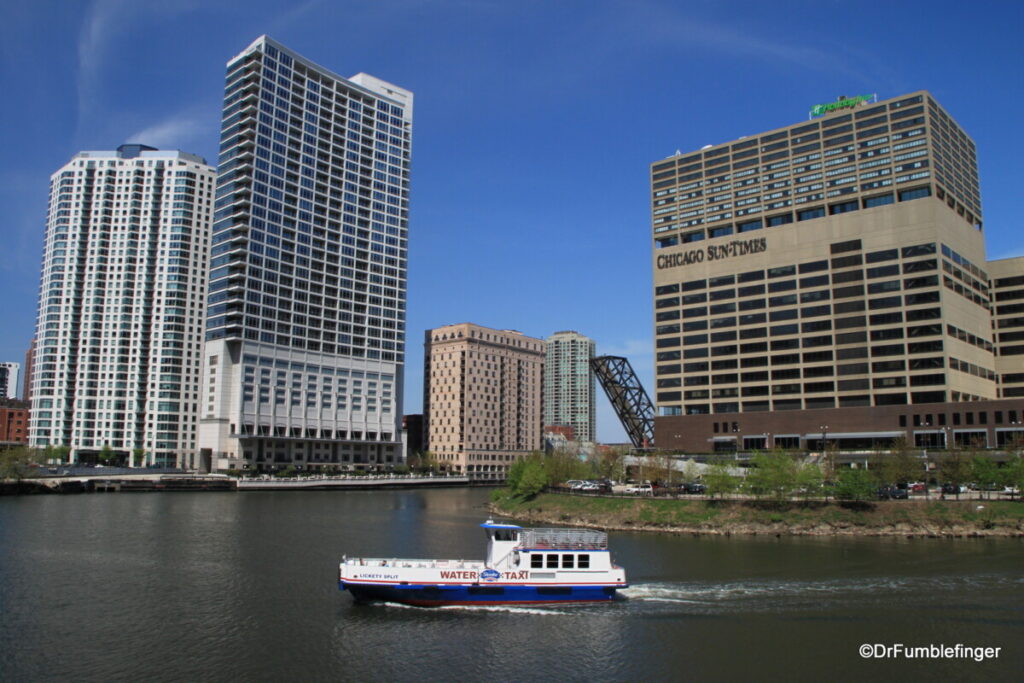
466	594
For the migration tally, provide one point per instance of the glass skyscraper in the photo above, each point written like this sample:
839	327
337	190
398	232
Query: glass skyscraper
569	385
306	320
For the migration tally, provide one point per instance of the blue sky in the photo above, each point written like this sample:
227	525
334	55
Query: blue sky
535	124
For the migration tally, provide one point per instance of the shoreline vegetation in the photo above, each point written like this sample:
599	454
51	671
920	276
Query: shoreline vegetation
906	518
778	493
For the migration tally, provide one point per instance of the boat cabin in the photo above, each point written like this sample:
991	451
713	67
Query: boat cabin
511	547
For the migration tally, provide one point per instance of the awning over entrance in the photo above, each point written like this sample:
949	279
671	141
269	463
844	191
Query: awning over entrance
854	435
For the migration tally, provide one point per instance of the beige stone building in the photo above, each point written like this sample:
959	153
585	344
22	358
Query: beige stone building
1008	324
834	265
482	399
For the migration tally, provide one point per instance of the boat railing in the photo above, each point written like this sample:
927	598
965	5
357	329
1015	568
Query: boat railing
564	539
407	563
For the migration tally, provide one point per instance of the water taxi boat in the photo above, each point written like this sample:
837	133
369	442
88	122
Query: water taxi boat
522	566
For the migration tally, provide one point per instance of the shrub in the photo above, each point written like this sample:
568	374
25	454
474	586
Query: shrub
855	485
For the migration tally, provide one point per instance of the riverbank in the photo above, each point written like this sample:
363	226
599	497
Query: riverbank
136	481
922	518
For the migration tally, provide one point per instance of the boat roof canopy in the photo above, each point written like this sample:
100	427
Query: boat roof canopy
492	525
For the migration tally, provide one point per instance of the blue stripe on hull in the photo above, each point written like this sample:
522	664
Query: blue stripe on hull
433	596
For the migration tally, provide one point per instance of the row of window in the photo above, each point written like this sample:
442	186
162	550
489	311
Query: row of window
559	561
809	403
809	132
907	252
968	418
787	217
845	369
326	434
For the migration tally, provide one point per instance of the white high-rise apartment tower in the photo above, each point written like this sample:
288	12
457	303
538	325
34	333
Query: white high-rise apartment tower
120	320
306	320
569	386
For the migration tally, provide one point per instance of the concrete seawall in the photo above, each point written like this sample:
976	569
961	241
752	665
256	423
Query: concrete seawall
369	482
149	482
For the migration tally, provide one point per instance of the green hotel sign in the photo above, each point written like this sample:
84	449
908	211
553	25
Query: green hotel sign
846	102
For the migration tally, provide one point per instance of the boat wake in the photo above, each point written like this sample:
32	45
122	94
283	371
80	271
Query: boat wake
773	594
508	609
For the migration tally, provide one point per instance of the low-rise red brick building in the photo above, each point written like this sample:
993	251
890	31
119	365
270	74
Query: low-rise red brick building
14	422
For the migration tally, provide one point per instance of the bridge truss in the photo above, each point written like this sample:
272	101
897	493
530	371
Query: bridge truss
630	401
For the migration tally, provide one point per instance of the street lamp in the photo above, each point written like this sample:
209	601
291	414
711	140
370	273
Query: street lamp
824	437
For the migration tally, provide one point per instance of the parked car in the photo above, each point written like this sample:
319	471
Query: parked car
692	487
918	487
892	493
640	489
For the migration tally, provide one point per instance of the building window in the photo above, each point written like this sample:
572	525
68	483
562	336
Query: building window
843	207
878	200
915	193
808	214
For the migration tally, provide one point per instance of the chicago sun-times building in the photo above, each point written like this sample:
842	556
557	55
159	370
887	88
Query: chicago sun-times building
826	282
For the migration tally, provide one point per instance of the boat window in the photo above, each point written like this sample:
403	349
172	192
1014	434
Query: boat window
567	561
504	535
536	561
552	562
583	561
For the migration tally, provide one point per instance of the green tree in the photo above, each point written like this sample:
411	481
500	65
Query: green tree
423	461
954	469
138	457
107	455
661	468
719	480
533	481
563	465
985	473
876	469
16	463
57	454
611	463
527	476
773	475
810	481
830	464
899	466
691	472
855	484
1013	474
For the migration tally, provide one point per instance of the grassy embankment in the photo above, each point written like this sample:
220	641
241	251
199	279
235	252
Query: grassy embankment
725	517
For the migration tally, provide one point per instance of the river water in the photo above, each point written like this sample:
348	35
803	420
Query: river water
242	587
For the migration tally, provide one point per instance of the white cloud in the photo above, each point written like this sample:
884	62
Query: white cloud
182	131
105	22
630	348
97	30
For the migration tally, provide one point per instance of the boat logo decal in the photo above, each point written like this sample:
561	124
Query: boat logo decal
490	575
